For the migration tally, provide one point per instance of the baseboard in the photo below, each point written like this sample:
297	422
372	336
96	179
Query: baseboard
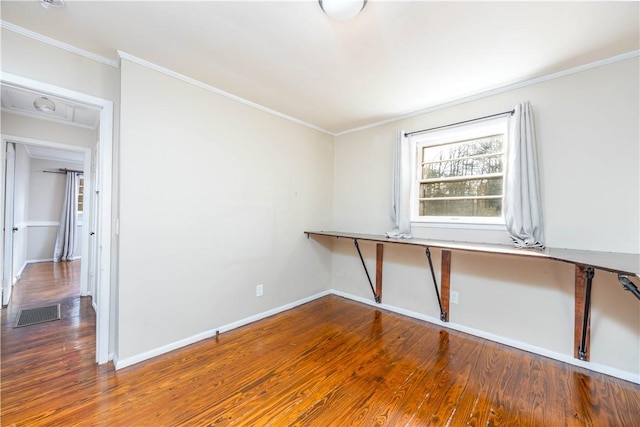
35	261
596	367
18	274
120	364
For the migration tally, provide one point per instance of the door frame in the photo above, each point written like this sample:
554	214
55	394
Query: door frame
104	193
7	219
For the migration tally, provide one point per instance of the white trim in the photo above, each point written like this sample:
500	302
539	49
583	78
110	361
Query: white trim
597	367
35	261
45	224
497	90
19	274
42	223
53	119
201	85
119	364
56	43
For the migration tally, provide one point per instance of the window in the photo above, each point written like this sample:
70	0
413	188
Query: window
459	174
80	204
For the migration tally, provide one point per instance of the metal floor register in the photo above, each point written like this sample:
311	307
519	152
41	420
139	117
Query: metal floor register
34	316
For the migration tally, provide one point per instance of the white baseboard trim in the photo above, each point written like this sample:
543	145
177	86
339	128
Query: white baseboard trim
19	273
35	261
603	369
120	364
596	367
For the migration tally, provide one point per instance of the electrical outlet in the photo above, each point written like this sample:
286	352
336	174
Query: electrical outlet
259	290
454	297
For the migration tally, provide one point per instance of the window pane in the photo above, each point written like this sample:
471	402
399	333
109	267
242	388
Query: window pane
80	206
474	147
466	207
463	167
471	187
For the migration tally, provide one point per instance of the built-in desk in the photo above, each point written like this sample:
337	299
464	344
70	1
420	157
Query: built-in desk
626	266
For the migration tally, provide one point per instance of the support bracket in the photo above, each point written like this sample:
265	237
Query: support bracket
628	285
582	350
443	314
376	297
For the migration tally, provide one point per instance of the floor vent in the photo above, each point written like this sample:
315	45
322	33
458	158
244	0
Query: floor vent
34	316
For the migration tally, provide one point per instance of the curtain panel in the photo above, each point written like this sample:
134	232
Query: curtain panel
522	202
66	238
401	188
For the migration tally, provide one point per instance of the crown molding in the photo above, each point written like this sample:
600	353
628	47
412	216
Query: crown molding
201	85
498	90
447	104
56	43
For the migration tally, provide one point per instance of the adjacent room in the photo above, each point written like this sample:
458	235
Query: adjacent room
318	213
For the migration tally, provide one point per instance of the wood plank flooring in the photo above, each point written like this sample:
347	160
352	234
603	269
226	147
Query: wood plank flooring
331	362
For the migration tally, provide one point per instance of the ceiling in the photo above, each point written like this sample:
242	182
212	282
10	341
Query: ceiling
21	101
394	58
46	153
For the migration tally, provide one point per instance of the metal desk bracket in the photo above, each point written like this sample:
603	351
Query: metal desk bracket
443	314
628	285
376	297
582	350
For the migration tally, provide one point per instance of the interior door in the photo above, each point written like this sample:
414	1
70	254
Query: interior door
9	187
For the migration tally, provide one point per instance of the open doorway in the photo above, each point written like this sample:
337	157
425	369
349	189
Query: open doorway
96	236
35	189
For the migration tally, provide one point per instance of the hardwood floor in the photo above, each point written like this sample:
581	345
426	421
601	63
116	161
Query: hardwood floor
331	362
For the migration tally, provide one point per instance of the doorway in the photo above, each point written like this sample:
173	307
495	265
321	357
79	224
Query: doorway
34	188
100	189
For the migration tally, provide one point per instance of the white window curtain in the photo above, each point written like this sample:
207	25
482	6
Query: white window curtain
522	203
66	239
401	188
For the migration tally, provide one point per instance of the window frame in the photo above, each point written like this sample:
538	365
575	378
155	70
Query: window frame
496	126
79	213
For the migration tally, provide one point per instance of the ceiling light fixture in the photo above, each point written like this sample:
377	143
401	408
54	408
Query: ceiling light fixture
342	9
51	3
44	105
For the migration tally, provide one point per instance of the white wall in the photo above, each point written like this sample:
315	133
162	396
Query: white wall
46	192
40	61
215	197
587	127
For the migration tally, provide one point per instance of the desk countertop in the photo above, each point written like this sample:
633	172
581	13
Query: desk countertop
615	262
